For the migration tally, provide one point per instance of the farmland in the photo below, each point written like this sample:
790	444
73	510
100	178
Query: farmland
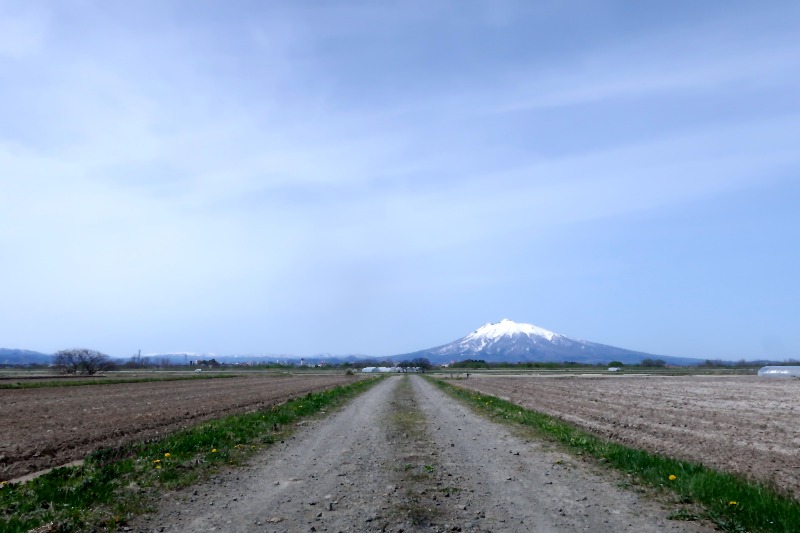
405	457
407	452
740	424
51	426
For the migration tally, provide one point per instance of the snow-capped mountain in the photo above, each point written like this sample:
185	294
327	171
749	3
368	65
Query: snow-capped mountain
491	336
509	341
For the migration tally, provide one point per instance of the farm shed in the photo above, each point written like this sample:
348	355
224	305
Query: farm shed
780	372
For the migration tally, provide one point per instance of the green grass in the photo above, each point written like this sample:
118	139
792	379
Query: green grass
114	484
99	381
731	502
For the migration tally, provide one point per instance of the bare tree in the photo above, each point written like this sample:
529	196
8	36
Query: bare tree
422	363
67	361
81	360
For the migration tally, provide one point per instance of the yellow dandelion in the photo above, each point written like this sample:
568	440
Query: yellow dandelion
673	477
213	450
158	467
157	461
167	455
733	503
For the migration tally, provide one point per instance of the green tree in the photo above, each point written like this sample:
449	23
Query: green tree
470	363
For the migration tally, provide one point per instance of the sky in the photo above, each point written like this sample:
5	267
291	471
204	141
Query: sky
375	177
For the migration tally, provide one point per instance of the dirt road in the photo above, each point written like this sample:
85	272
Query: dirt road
404	457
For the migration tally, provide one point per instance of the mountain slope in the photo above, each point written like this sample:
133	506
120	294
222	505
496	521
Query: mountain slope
10	356
508	341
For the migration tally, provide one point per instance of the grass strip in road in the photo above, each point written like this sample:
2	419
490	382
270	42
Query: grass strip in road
731	502
417	468
114	484
102	381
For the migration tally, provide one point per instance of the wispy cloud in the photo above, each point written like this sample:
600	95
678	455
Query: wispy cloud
173	165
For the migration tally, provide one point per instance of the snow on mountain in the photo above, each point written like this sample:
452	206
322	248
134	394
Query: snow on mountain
508	328
509	341
176	354
504	337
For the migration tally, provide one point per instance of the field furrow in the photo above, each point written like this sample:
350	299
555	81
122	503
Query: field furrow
45	427
741	424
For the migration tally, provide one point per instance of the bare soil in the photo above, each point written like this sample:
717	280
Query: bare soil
404	457
741	424
47	427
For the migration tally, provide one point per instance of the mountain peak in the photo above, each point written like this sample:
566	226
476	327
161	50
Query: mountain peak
509	341
507	328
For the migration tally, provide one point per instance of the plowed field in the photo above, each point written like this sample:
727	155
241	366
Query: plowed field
744	424
41	428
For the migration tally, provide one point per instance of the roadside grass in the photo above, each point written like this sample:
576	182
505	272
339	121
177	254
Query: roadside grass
100	381
729	501
114	484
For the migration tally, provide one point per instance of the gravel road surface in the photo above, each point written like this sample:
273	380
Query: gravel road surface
405	457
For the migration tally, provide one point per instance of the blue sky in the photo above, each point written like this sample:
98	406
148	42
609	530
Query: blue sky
382	177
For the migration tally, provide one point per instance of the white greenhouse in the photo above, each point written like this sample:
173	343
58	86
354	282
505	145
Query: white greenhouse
381	369
780	372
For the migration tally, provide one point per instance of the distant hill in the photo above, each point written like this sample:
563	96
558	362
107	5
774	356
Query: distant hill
504	341
508	341
9	356
184	357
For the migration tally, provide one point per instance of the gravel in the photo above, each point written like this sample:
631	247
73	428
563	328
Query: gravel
369	467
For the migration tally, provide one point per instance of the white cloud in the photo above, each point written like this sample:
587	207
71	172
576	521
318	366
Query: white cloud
201	168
